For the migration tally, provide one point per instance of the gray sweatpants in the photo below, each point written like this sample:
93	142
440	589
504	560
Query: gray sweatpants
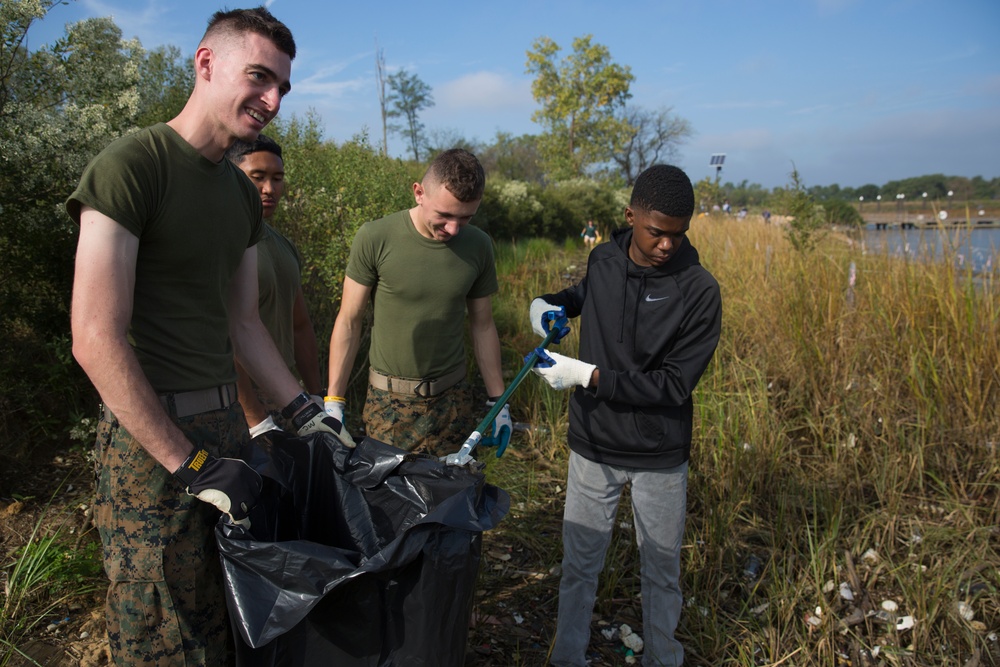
659	502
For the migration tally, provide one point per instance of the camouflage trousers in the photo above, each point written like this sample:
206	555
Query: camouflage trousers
437	425
166	603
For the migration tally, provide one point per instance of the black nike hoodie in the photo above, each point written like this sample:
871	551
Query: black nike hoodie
651	331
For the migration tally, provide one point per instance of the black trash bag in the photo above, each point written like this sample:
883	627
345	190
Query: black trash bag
356	557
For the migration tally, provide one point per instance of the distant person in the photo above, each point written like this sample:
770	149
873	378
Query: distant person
726	208
650	319
164	296
767	216
589	233
425	269
281	302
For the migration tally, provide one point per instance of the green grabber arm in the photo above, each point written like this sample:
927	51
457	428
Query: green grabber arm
464	455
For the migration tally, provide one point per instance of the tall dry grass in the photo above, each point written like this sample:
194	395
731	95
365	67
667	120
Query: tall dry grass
847	432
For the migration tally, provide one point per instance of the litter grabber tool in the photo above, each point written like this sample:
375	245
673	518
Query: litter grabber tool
556	327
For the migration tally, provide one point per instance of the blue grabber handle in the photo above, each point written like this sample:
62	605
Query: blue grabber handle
464	455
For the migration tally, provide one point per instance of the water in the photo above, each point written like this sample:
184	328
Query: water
979	247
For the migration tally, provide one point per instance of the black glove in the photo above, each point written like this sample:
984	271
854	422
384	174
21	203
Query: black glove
312	418
229	484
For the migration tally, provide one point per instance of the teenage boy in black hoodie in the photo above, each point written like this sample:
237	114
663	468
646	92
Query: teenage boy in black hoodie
650	322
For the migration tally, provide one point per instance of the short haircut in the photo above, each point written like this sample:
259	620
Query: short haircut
460	171
257	20
240	148
666	189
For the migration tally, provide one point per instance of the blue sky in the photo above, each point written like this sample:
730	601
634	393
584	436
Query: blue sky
851	91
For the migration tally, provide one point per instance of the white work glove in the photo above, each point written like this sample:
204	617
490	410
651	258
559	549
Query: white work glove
311	420
263	427
229	484
542	314
563	372
335	408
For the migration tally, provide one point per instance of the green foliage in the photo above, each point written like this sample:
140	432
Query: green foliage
45	574
331	191
513	158
581	96
839	212
59	105
707	193
166	80
805	216
516	209
408	95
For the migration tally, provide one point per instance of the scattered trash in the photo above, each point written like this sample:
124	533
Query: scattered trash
829	586
630	639
518	618
760	609
84	634
747	446
916	539
870	557
965	610
852	440
889	605
813	620
610	634
819	611
978	626
904	623
883	616
846	592
751	570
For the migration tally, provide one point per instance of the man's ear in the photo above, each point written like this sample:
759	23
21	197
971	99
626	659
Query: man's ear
629	216
204	58
418	192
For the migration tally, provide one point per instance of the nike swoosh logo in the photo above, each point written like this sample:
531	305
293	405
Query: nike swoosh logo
649	297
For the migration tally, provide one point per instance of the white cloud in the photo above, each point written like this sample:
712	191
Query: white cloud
484	91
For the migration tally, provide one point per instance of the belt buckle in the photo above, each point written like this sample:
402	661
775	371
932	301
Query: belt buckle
423	388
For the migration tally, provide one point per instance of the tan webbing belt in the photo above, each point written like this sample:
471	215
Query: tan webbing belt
424	388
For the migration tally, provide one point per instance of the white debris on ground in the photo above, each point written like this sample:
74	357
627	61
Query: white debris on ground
630	639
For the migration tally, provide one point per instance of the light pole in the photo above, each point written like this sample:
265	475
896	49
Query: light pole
861	202
878	202
901	210
925	200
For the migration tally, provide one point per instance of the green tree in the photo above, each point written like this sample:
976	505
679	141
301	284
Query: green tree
59	105
513	158
408	95
653	137
581	98
166	79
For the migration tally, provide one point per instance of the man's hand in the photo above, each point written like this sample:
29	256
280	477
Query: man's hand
335	406
543	314
229	484
502	428
312	419
563	372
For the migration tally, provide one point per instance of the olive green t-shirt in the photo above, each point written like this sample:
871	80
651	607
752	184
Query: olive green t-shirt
420	287
279	276
194	219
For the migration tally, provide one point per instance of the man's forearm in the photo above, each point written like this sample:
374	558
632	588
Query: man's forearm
486	347
256	352
256	412
115	372
344	343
